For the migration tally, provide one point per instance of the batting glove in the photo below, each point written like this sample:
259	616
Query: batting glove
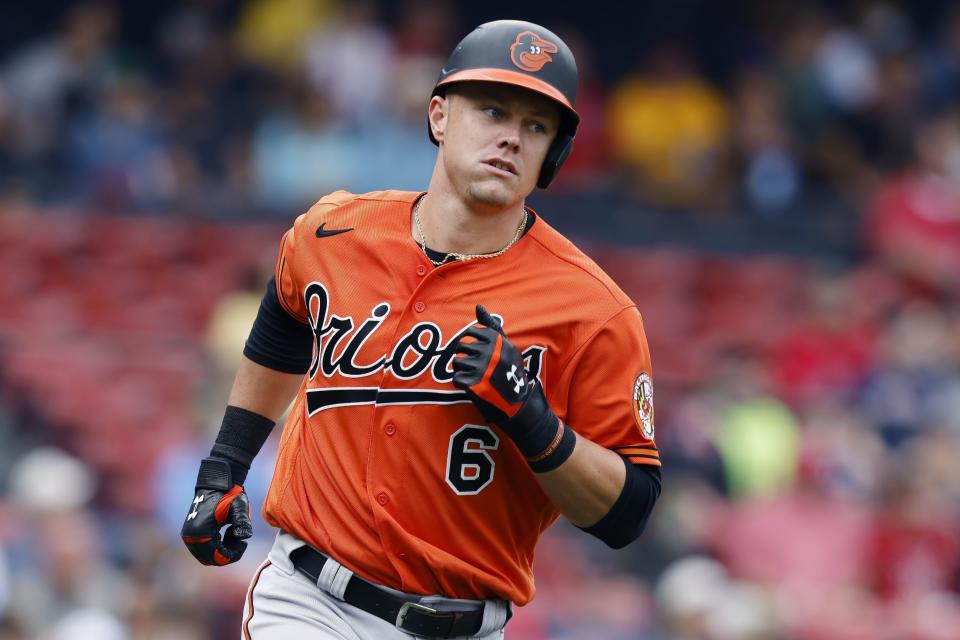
217	502
490	369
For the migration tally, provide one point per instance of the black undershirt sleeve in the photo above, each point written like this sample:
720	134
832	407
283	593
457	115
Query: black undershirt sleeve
628	516
277	340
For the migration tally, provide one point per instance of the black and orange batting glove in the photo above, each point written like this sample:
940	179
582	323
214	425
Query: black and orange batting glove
217	502
490	369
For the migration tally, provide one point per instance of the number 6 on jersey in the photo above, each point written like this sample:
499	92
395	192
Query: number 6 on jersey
469	466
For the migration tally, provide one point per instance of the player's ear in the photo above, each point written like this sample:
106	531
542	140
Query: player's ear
437	115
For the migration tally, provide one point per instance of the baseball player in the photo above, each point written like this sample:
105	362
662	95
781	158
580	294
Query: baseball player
461	375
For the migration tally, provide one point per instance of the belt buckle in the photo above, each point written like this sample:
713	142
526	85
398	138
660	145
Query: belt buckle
416	606
426	621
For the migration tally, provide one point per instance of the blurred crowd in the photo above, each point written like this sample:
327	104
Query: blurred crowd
808	407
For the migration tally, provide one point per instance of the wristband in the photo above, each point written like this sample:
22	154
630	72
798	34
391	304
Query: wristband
241	437
534	426
543	439
557	453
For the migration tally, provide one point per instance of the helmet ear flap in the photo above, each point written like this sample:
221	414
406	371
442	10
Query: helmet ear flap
559	150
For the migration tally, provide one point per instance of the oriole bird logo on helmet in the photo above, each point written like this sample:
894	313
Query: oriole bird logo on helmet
530	52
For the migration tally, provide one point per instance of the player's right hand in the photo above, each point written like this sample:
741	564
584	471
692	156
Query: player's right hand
217	502
490	369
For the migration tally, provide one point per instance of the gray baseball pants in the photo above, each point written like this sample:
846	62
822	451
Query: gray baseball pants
284	604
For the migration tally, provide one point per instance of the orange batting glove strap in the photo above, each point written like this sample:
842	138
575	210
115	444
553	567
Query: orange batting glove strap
490	369
557	452
217	502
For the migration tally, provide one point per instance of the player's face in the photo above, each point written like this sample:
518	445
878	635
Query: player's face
495	139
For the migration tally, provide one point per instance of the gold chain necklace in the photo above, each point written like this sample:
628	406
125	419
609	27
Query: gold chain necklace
463	256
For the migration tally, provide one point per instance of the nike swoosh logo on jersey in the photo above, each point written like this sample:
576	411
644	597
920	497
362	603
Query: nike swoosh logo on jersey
324	233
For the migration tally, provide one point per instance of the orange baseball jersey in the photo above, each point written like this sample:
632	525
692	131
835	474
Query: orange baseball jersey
383	463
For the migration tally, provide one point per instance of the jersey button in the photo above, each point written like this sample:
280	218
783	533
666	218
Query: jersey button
419	306
390	429
421	270
382	499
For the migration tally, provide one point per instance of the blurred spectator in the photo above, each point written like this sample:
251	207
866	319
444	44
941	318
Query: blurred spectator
274	33
301	153
668	127
699	600
50	79
827	355
913	221
690	439
914	548
88	623
49	480
422	42
60	581
119	153
914	375
842	452
814	98
188	28
210	142
940	63
686	592
771	171
348	60
806	104
393	151
884	125
392	154
757	435
426	28
845	68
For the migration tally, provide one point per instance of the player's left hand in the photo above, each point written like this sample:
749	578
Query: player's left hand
490	369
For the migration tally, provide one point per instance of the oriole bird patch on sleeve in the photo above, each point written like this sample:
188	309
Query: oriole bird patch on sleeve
643	404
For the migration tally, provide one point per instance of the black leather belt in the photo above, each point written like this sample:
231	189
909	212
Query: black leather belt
409	614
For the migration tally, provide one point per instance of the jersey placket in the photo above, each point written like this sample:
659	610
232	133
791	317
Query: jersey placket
390	428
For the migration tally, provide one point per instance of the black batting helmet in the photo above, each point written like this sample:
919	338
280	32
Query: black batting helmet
526	55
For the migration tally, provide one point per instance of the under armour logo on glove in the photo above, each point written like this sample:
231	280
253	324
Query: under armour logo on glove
218	503
196	507
518	381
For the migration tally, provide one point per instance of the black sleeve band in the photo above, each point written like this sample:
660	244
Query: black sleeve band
277	340
629	514
241	437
